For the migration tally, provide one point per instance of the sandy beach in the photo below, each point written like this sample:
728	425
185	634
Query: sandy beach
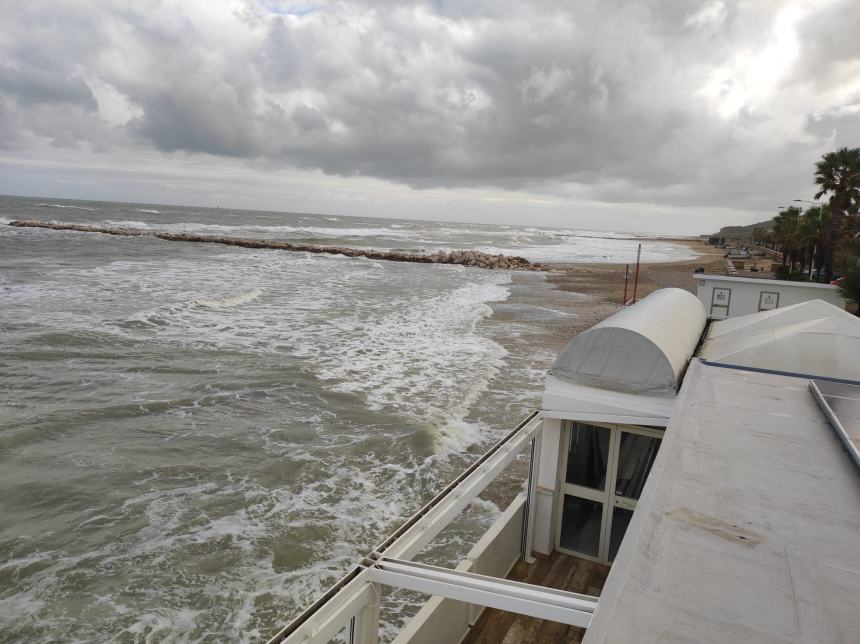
607	280
601	286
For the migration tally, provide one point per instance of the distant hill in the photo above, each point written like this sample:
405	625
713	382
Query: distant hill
743	231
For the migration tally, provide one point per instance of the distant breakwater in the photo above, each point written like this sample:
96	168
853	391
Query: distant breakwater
464	257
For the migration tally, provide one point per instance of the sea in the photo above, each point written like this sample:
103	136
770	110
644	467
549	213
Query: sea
196	440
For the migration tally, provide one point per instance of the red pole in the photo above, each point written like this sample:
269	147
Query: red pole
626	278
636	279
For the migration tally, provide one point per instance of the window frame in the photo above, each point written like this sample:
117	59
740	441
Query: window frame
607	496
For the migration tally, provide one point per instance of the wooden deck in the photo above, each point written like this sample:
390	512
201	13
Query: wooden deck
556	571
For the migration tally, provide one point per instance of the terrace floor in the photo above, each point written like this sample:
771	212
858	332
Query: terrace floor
555	571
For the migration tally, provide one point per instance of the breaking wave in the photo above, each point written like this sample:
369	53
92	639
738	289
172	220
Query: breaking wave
231	301
62	205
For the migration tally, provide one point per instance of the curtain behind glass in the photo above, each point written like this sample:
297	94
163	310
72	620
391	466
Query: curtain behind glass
635	457
587	456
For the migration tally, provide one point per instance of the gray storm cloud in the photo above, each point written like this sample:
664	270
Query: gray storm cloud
715	103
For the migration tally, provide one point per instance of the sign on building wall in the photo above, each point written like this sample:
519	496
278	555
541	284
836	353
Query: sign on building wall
720	300
768	300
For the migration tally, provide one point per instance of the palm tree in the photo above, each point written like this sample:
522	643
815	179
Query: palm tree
785	234
850	287
811	231
759	235
838	173
850	283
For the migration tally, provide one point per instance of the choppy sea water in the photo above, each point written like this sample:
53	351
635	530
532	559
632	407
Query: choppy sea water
195	439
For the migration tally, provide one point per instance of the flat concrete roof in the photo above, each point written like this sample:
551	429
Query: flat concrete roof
748	529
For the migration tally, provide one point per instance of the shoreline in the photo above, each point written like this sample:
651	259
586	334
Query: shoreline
586	293
606	280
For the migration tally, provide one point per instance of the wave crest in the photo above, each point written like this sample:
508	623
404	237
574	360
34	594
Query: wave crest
232	300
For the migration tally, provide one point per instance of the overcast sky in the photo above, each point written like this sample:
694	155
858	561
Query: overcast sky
663	116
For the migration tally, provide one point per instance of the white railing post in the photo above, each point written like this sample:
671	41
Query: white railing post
546	475
365	629
531	497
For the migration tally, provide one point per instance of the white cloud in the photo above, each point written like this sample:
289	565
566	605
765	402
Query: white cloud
594	102
753	76
711	13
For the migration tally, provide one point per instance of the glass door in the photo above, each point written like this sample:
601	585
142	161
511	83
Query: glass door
605	468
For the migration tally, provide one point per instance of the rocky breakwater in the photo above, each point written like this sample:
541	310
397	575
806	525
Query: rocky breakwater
483	260
464	257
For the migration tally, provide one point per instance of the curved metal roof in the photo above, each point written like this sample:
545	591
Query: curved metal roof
642	348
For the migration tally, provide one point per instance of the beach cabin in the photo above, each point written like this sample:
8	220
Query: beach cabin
727	296
607	401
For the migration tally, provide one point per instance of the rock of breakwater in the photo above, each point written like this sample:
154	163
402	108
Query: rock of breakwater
464	257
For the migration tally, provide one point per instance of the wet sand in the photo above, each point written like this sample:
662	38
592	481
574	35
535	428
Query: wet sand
607	280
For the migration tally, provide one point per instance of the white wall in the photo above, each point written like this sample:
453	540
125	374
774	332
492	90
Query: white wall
547	476
745	294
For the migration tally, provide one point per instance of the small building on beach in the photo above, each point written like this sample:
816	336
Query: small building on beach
726	296
608	397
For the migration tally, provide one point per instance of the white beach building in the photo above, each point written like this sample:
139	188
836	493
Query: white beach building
726	296
608	397
747	530
722	488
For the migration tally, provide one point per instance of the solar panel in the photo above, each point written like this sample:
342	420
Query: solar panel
840	402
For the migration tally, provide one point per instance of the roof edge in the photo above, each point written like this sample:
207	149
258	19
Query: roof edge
756	280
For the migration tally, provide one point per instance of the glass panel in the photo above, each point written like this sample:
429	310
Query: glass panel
635	457
587	455
580	525
620	520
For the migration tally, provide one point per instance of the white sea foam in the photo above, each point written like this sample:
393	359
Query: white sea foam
424	358
406	340
61	205
153	211
304	231
360	325
356	503
20	606
596	250
232	300
126	223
